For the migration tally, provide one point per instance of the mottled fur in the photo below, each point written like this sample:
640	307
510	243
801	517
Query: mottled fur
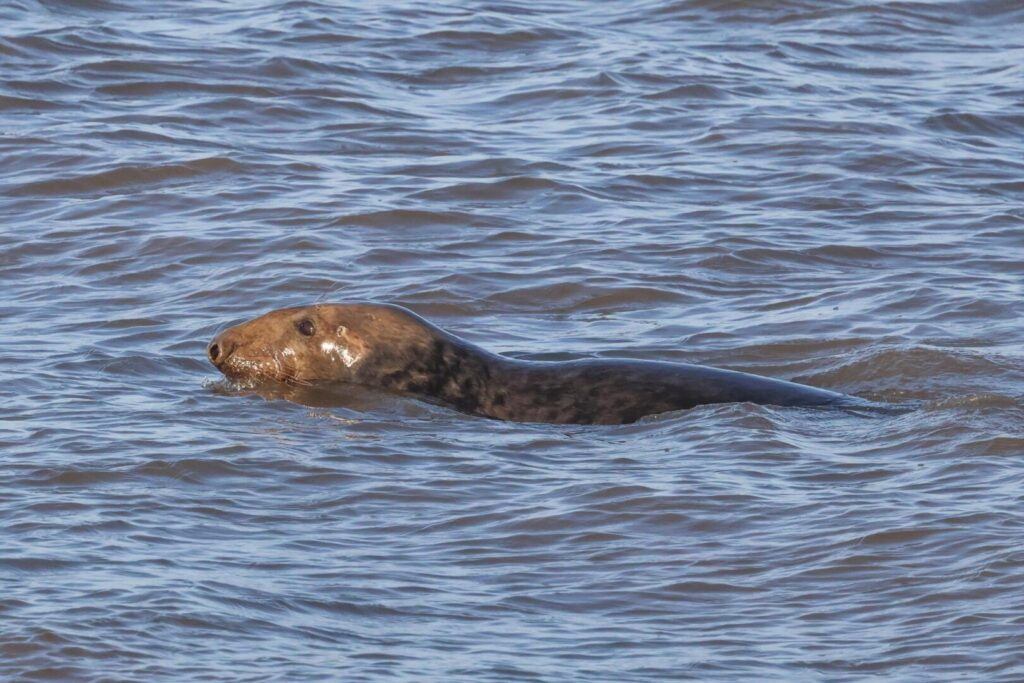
391	348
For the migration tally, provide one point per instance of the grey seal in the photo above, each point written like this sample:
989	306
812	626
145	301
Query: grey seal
389	348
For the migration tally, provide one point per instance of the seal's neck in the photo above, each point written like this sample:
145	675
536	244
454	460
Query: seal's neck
450	371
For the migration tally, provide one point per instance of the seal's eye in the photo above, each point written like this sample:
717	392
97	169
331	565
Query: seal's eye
306	327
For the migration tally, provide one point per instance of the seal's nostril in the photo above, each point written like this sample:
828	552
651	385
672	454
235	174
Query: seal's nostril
214	351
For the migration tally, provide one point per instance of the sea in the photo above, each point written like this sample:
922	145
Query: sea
825	192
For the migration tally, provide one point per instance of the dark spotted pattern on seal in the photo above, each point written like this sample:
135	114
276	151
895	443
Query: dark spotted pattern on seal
390	348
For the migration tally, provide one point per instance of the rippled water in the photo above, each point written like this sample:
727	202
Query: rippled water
830	193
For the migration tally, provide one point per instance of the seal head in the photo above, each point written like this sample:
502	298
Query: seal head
321	343
380	347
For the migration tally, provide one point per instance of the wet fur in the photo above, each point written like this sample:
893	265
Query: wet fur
390	348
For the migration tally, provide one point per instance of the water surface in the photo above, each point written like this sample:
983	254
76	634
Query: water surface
826	193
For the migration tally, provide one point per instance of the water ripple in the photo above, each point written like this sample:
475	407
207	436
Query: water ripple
825	193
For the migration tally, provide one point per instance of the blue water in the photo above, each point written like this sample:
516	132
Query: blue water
828	194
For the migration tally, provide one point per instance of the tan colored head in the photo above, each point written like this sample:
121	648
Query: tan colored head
320	343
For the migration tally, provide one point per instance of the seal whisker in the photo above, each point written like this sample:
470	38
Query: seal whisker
283	371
